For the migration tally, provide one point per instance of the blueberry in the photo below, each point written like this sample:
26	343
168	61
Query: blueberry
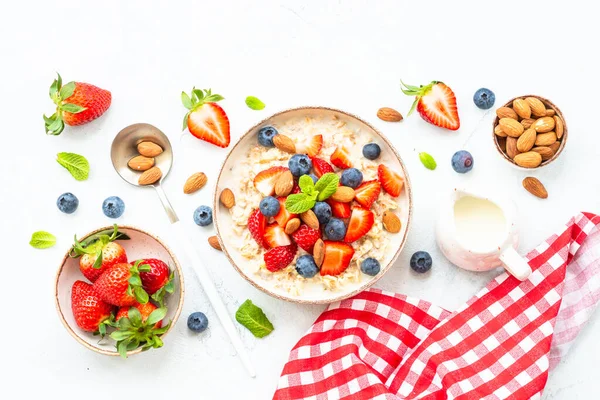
197	322
306	266
266	135
370	266
113	207
269	206
300	164
203	216
371	151
314	178
462	161
352	177
335	229
323	212
421	262
67	203
484	98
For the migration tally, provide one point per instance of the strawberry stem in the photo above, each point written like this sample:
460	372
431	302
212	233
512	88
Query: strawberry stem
419	92
196	99
54	124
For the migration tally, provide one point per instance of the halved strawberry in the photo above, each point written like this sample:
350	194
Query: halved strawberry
264	181
275	236
206	119
337	258
367	193
436	103
360	223
280	257
306	237
283	216
392	182
312	148
339	210
341	158
256	225
321	167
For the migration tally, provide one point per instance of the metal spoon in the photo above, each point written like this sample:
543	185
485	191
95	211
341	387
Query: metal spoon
124	148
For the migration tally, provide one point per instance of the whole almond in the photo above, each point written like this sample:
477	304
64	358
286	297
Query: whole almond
141	163
544	124
550	112
319	252
195	182
511	147
343	194
499	132
545	139
506	112
545	151
502	143
284	143
535	187
292	225
522	108
531	159
538	108
149	149
511	127
527	122
526	140
389	115
310	219
559	127
284	183
150	176
554	147
391	222
227	198
214	243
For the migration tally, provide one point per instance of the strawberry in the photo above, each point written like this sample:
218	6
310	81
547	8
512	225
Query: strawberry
98	253
157	281
321	167
77	103
312	148
256	225
264	181
275	236
139	326
280	257
305	237
391	182
367	193
339	210
296	188
436	103
90	312
283	216
121	285
205	119
340	158
337	258
360	223
144	309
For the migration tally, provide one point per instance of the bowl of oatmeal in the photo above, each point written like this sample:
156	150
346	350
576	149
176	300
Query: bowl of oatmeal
322	205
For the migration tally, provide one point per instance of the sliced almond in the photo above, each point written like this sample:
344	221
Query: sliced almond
526	140
391	222
284	143
227	198
559	126
511	147
319	252
535	187
545	139
538	108
545	151
141	163
511	127
389	115
544	124
531	159
149	149
284	183
310	219
194	183
343	194
506	112
499	132
150	176
522	108
527	122
214	243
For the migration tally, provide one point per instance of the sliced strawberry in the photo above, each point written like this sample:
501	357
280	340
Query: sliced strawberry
275	236
391	182
321	167
360	223
280	257
367	193
296	187
339	210
337	258
306	237
264	181
312	148
283	216
341	158
256	225
436	103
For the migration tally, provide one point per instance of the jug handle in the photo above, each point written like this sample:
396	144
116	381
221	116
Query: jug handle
516	265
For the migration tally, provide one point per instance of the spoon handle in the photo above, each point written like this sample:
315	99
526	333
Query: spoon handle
166	203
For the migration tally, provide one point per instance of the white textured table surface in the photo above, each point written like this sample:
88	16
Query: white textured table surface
345	54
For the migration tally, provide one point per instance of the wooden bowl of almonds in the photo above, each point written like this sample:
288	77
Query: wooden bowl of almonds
530	131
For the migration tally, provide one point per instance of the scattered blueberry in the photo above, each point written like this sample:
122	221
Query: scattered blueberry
314	178
371	151
484	98
269	206
462	161
113	207
306	267
351	177
335	229
67	203
266	135
203	216
370	266
323	212
197	322
300	164
421	262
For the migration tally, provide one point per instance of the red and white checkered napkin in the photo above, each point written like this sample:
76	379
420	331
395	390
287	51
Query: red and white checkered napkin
499	345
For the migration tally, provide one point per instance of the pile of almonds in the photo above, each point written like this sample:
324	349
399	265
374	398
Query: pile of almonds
528	132
144	162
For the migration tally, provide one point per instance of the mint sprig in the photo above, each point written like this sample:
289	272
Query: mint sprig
312	192
254	319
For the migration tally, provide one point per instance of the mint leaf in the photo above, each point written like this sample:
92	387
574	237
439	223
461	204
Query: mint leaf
254	319
254	103
42	240
77	165
327	185
306	184
299	203
427	160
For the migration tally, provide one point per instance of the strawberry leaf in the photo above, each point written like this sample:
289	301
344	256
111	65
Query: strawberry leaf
72	108
185	99
67	90
122	348
135	281
98	261
135	317
157	315
140	295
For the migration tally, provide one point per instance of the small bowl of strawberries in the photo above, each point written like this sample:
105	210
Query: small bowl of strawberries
119	291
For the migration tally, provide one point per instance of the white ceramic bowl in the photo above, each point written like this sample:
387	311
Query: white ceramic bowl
141	245
229	177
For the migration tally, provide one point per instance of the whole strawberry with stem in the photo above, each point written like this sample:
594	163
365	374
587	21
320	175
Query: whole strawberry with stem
205	119
158	281
121	284
90	312
144	309
77	103
436	103
142	326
